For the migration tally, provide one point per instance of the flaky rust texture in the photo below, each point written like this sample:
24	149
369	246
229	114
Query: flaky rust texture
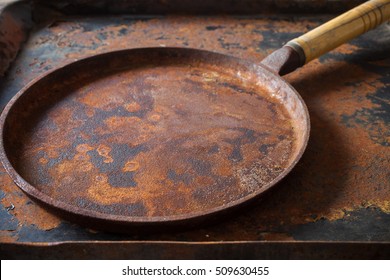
345	167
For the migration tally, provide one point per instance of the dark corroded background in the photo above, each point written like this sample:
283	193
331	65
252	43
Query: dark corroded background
340	190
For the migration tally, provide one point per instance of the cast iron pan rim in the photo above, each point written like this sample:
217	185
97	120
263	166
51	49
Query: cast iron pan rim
75	210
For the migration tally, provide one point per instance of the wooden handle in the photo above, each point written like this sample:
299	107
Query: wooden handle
341	29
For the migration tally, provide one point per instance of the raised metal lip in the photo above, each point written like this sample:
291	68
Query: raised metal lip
35	193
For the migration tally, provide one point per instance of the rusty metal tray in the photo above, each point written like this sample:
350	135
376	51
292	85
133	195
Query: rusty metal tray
335	202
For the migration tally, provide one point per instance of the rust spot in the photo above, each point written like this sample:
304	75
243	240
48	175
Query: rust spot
43	161
104	151
132	107
102	193
155	118
131	166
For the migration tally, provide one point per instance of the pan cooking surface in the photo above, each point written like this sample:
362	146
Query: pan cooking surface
153	135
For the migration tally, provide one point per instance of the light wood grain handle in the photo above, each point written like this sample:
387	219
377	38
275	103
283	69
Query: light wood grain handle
341	29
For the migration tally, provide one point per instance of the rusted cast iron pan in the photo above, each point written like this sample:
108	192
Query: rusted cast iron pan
152	136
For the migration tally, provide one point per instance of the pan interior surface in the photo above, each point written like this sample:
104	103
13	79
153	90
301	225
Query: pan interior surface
152	134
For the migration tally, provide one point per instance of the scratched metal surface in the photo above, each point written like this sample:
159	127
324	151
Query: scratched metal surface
340	190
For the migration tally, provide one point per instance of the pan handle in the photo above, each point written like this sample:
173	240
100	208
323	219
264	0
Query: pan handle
328	36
